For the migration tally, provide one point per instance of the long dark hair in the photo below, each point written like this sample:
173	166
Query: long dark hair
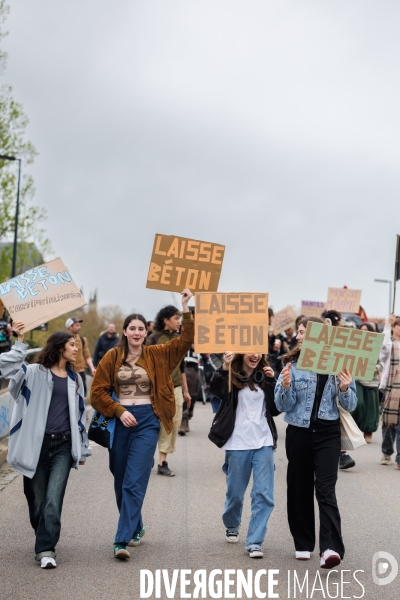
294	354
369	326
123	343
51	353
237	365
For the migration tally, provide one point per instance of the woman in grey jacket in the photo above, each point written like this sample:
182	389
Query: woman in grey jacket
47	431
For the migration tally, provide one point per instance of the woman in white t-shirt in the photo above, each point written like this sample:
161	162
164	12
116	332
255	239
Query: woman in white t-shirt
245	429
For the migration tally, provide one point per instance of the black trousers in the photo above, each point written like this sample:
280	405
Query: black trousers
83	376
313	463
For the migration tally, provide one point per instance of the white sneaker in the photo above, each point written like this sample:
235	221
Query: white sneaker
47	562
329	559
232	536
255	552
303	555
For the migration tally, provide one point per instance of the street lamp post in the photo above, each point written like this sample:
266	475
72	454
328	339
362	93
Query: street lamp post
14	257
390	291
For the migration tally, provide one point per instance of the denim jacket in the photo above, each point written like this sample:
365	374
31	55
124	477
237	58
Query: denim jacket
297	400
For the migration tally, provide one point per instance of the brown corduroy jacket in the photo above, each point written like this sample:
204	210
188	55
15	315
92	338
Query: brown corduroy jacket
158	361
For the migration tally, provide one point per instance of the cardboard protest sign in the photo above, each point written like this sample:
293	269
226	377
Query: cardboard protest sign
328	350
41	294
283	319
312	309
178	263
237	322
343	300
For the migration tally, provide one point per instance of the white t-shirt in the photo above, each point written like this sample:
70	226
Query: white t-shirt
251	430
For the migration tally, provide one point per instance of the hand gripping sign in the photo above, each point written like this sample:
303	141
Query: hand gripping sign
328	350
178	263
237	322
41	294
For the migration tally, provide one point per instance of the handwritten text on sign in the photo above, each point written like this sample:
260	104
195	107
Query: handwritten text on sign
343	300
41	294
328	350
284	319
234	322
178	263
312	309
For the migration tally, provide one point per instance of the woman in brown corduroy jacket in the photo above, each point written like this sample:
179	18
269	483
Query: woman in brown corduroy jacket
140	377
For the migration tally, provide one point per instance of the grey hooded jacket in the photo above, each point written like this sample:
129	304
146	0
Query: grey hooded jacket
31	386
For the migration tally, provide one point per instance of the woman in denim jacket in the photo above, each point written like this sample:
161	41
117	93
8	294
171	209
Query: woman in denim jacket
313	449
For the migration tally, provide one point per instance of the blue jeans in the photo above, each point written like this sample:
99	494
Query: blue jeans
45	491
131	458
390	433
238	466
215	402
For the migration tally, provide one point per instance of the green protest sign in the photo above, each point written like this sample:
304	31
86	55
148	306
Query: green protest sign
328	350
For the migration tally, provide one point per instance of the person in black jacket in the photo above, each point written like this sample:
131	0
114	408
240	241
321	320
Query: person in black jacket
106	341
245	429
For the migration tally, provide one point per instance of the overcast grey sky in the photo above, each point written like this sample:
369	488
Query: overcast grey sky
269	126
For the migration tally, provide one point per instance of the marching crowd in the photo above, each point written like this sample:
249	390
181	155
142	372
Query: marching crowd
144	387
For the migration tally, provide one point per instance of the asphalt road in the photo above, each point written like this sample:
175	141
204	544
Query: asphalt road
182	516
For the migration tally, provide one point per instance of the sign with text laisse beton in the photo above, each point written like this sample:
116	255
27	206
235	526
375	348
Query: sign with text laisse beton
328	350
343	300
178	263
41	294
237	322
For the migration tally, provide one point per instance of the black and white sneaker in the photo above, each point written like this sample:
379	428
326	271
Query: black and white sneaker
164	469
232	536
345	461
255	552
46	562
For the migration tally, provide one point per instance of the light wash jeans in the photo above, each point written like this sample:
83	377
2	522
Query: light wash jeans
237	468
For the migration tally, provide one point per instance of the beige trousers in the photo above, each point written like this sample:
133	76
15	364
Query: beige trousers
166	441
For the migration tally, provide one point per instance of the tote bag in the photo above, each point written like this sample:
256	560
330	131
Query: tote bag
101	428
351	436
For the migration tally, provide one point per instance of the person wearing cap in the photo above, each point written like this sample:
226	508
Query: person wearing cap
166	326
83	357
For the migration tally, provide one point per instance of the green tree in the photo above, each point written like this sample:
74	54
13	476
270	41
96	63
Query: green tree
13	142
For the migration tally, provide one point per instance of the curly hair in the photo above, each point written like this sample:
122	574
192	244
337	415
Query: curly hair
165	313
50	355
334	316
294	354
